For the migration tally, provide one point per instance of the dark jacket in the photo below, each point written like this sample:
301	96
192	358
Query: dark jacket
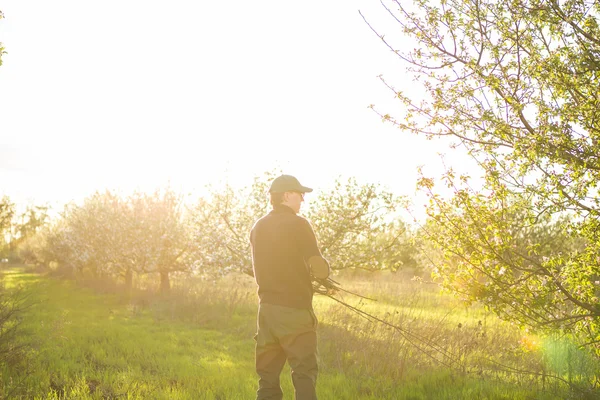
282	243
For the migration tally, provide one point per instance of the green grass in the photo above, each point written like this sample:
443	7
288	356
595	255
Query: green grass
86	345
82	341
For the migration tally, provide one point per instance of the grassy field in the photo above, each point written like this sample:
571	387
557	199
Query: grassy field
94	342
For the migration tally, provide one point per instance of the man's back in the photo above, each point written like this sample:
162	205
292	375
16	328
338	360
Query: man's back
282	244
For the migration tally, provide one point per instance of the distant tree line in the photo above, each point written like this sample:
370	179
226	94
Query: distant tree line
160	235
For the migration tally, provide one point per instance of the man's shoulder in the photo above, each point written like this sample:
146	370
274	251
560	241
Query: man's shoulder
303	220
297	219
259	221
277	217
264	220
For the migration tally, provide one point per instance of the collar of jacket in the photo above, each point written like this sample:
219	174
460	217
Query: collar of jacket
280	208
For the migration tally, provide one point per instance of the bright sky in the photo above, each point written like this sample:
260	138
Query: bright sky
136	94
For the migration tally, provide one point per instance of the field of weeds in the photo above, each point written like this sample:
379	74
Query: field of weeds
89	340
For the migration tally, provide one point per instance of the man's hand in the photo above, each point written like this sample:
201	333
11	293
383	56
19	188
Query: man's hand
328	287
319	267
332	291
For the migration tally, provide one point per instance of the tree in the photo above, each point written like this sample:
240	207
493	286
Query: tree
32	220
500	254
95	236
2	52
160	238
25	239
7	210
516	85
357	227
109	235
222	223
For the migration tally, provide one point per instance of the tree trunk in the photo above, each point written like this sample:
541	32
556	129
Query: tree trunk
128	279
165	284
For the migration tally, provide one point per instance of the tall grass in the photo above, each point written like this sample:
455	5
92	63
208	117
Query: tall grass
93	341
13	303
438	332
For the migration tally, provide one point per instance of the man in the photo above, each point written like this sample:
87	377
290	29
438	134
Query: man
285	256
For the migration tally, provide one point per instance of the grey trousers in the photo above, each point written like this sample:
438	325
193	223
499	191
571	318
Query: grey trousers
290	334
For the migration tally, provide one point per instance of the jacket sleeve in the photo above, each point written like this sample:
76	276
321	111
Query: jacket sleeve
249	270
318	265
